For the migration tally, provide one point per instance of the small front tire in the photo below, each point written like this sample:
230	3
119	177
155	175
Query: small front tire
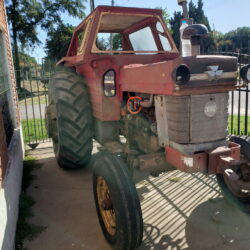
117	202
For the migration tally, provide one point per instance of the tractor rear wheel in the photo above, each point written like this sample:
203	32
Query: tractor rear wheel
230	189
117	202
69	119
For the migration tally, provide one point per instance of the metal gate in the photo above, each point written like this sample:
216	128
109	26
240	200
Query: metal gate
33	99
239	110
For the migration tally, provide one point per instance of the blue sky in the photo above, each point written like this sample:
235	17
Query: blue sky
226	15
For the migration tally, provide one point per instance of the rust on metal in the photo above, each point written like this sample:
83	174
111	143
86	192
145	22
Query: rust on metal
156	160
223	157
238	182
187	163
105	205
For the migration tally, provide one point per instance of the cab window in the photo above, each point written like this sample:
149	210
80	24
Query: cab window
143	40
164	40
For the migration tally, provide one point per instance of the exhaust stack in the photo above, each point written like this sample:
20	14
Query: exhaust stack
183	3
190	33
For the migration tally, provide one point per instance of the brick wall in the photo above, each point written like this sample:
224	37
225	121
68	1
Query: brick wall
12	87
11	155
3	149
4	28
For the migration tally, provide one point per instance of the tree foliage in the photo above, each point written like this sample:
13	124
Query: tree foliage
196	12
234	40
58	40
175	27
25	16
165	15
26	59
117	42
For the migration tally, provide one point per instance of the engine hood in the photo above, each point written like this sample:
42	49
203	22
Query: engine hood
201	64
208	74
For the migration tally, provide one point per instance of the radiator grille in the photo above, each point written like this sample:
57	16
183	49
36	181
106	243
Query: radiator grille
187	122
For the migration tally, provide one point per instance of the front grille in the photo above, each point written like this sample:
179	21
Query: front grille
188	123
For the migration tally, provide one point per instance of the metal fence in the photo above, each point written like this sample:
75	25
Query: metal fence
239	110
33	99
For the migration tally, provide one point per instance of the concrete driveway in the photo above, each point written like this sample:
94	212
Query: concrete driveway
180	211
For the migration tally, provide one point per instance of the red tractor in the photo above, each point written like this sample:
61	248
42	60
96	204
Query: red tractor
124	83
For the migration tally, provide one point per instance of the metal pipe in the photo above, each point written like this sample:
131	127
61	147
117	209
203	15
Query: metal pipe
92	5
196	50
183	3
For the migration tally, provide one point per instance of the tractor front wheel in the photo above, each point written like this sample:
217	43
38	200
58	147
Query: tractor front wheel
117	202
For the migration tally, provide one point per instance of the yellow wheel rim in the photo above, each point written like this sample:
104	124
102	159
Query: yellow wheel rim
105	205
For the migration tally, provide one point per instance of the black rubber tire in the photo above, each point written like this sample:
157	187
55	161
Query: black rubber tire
71	126
125	200
244	141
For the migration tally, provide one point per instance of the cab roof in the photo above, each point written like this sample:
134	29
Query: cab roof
130	10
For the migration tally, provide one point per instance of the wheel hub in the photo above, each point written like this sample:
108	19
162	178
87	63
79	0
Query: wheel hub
245	171
238	180
105	205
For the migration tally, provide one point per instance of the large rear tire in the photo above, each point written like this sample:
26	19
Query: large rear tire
117	202
69	119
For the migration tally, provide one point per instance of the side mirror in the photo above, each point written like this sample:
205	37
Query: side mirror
245	73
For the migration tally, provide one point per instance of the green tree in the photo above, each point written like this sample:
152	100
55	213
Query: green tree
240	39
198	15
117	42
235	40
26	59
25	16
175	27
165	15
57	42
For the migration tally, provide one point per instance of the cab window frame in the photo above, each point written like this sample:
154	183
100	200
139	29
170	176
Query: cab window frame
132	29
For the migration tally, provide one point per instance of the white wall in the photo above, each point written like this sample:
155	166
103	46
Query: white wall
9	194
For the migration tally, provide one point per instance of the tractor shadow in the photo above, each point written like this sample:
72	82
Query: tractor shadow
218	224
187	211
151	233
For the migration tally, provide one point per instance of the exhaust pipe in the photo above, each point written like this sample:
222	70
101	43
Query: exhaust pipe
190	33
183	3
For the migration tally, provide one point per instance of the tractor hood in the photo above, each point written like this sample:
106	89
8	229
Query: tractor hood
203	74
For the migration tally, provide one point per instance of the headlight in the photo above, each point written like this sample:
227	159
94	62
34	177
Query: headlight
245	73
181	75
